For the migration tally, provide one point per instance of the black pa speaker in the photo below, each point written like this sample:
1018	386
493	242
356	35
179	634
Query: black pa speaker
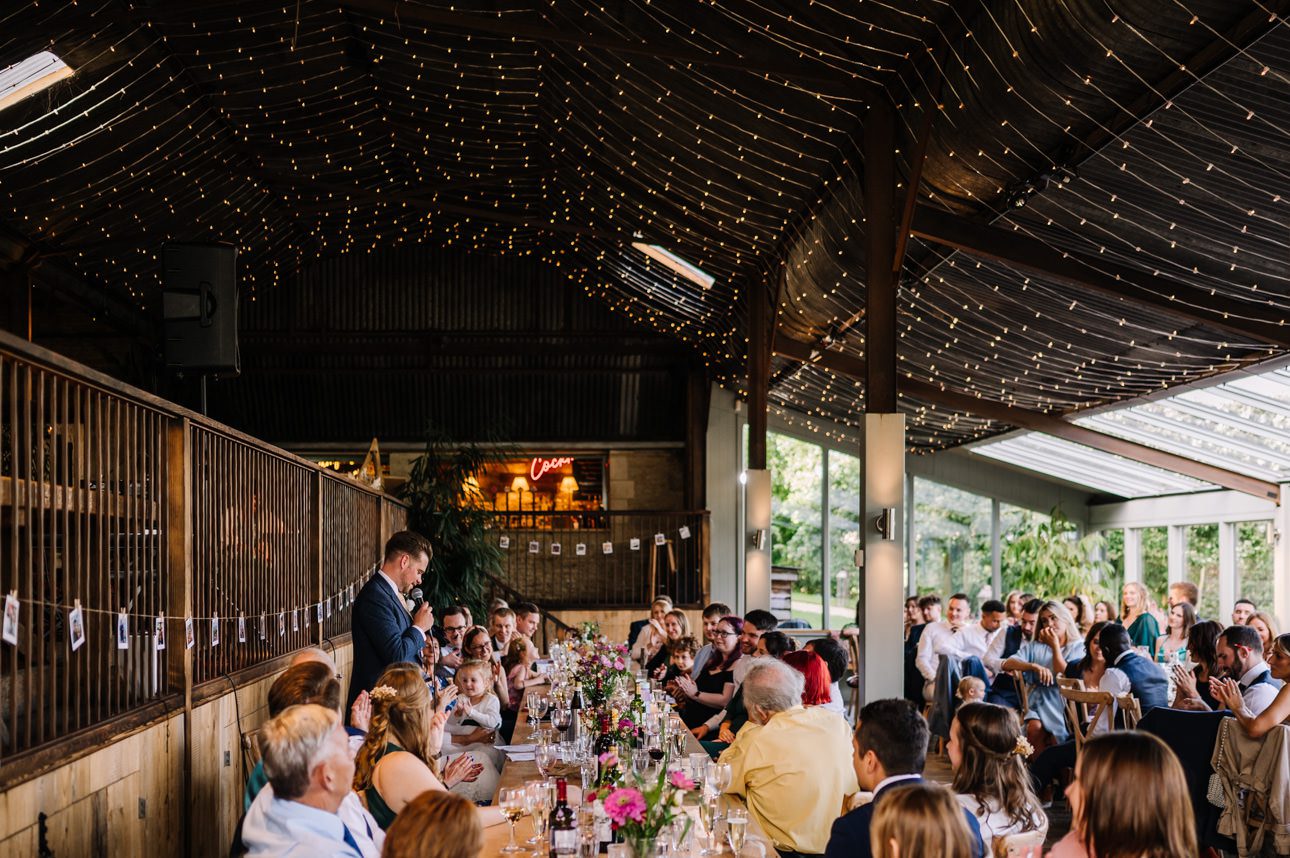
199	307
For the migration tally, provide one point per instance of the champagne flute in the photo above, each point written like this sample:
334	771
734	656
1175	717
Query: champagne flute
718	776
539	703
534	716
708	819
736	829
538	801
512	803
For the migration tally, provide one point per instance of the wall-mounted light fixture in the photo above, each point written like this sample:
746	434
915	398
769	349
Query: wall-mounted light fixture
757	539
885	523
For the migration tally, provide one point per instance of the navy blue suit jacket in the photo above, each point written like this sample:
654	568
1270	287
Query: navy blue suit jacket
383	635
850	835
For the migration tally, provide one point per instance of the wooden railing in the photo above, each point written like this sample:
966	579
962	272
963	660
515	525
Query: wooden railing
117	502
651	553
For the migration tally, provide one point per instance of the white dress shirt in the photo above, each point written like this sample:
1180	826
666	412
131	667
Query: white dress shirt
278	828
1115	682
941	639
993	658
1257	697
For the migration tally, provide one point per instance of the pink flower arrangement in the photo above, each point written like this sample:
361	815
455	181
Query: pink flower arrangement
625	805
679	780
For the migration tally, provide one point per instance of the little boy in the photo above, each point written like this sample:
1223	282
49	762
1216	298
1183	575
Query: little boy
680	658
971	690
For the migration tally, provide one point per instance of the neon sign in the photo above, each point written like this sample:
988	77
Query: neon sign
539	468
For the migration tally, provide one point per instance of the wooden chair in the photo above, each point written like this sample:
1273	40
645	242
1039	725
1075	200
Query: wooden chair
1029	844
1077	703
1072	684
852	636
1019	679
250	751
1132	709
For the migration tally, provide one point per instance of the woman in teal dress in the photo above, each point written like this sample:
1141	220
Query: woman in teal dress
397	761
1138	616
1057	642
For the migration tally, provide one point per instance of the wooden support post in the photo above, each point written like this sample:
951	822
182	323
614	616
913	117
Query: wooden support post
758	375
316	552
179	580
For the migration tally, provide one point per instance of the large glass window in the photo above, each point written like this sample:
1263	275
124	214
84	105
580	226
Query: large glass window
1202	566
1013	522
1113	549
1155	563
796	473
951	541
844	537
1254	563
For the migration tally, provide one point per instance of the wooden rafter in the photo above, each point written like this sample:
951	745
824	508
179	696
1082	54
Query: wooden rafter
1036	421
1182	301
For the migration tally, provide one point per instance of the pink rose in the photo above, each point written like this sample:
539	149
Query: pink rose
618	665
680	781
625	805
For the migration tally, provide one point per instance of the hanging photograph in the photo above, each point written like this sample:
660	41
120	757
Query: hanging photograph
10	632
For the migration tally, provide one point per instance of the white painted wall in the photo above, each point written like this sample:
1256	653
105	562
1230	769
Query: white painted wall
726	419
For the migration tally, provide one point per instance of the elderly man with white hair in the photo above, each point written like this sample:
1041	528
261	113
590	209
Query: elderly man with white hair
309	807
791	764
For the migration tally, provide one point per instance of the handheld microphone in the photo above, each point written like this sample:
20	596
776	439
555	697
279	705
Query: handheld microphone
417	598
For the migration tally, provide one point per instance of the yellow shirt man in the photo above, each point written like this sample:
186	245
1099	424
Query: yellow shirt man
794	772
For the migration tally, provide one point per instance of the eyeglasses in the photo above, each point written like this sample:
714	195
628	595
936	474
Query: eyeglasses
720	634
454	628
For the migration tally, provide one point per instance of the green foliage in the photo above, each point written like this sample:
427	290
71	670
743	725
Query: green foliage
1050	561
444	508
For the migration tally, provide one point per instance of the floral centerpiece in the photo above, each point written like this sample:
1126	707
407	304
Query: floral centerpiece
601	667
641	813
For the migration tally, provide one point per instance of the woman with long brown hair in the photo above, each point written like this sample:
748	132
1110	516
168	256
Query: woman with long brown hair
919	819
987	751
1128	799
398	759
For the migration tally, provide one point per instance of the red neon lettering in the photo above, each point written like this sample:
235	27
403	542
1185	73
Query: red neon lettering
539	468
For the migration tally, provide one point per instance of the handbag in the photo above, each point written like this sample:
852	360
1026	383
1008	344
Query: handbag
1214	791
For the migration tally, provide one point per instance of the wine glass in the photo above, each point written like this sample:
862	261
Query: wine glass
589	769
545	757
537	796
736	829
654	747
708	819
561	718
640	761
513	804
539	704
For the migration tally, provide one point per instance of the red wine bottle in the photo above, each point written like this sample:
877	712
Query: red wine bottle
563	822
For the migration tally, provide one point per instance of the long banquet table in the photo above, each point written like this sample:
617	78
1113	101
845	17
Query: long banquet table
518	773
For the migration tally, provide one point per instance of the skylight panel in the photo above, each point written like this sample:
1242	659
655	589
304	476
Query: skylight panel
30	76
670	260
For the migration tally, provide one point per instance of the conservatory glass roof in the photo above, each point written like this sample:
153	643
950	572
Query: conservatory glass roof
1241	424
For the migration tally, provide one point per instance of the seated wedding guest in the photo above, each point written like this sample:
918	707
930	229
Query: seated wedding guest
477	645
1278	711
501	628
836	658
815	676
1081	611
1128	799
919	818
472	727
398	761
757	622
651	635
1105	612
1242	611
712	615
987	752
971	690
708	695
435	825
1091	667
1266	625
775	645
308	809
528	619
1182	616
675	626
1056	644
520	673
889	749
958	639
789	763
1137	612
1183	591
929	608
456	621
306	682
1191	687
680	659
1238	655
1003	690
913	616
1012	605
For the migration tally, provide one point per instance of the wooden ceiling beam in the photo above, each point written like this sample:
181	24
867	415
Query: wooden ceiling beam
1013	248
1036	421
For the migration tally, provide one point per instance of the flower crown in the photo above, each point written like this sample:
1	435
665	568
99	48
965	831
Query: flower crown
383	692
1023	747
